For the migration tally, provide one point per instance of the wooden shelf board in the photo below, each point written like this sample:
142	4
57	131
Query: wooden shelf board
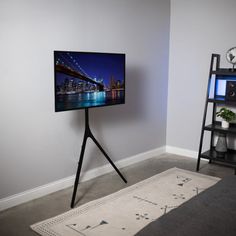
212	154
217	127
224	71
221	100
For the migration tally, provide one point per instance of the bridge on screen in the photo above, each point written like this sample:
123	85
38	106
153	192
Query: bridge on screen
68	66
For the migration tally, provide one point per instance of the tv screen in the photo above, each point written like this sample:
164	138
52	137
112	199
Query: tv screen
88	79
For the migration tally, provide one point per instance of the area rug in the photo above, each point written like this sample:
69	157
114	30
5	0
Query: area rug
129	210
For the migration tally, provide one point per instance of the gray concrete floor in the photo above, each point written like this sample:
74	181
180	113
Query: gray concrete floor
16	220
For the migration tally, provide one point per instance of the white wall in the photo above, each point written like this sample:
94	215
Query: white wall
37	145
198	29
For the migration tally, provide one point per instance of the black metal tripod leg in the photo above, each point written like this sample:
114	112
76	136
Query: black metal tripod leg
200	145
108	158
198	164
78	171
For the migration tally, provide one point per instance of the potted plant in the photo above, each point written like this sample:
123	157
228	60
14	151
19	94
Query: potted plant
227	115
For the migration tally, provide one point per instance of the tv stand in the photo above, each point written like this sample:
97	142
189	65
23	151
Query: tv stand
88	134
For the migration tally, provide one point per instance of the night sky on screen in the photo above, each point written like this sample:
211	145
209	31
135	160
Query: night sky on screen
95	65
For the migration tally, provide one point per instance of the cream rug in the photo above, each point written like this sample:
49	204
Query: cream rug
129	210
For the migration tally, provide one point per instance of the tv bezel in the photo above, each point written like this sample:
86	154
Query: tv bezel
81	108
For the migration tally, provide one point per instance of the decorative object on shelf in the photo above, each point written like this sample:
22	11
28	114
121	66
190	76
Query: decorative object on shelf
221	145
227	115
230	93
231	56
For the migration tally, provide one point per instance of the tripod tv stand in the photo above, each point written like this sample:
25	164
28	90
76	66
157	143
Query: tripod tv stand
88	134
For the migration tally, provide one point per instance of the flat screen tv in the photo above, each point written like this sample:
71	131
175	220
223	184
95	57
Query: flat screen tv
88	79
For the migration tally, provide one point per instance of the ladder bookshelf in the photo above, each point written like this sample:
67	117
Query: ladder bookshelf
215	74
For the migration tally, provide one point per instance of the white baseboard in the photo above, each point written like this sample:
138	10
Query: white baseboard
34	193
44	190
181	151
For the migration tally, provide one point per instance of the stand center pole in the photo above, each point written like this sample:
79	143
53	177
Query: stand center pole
88	134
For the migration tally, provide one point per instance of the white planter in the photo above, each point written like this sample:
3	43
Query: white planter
225	124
